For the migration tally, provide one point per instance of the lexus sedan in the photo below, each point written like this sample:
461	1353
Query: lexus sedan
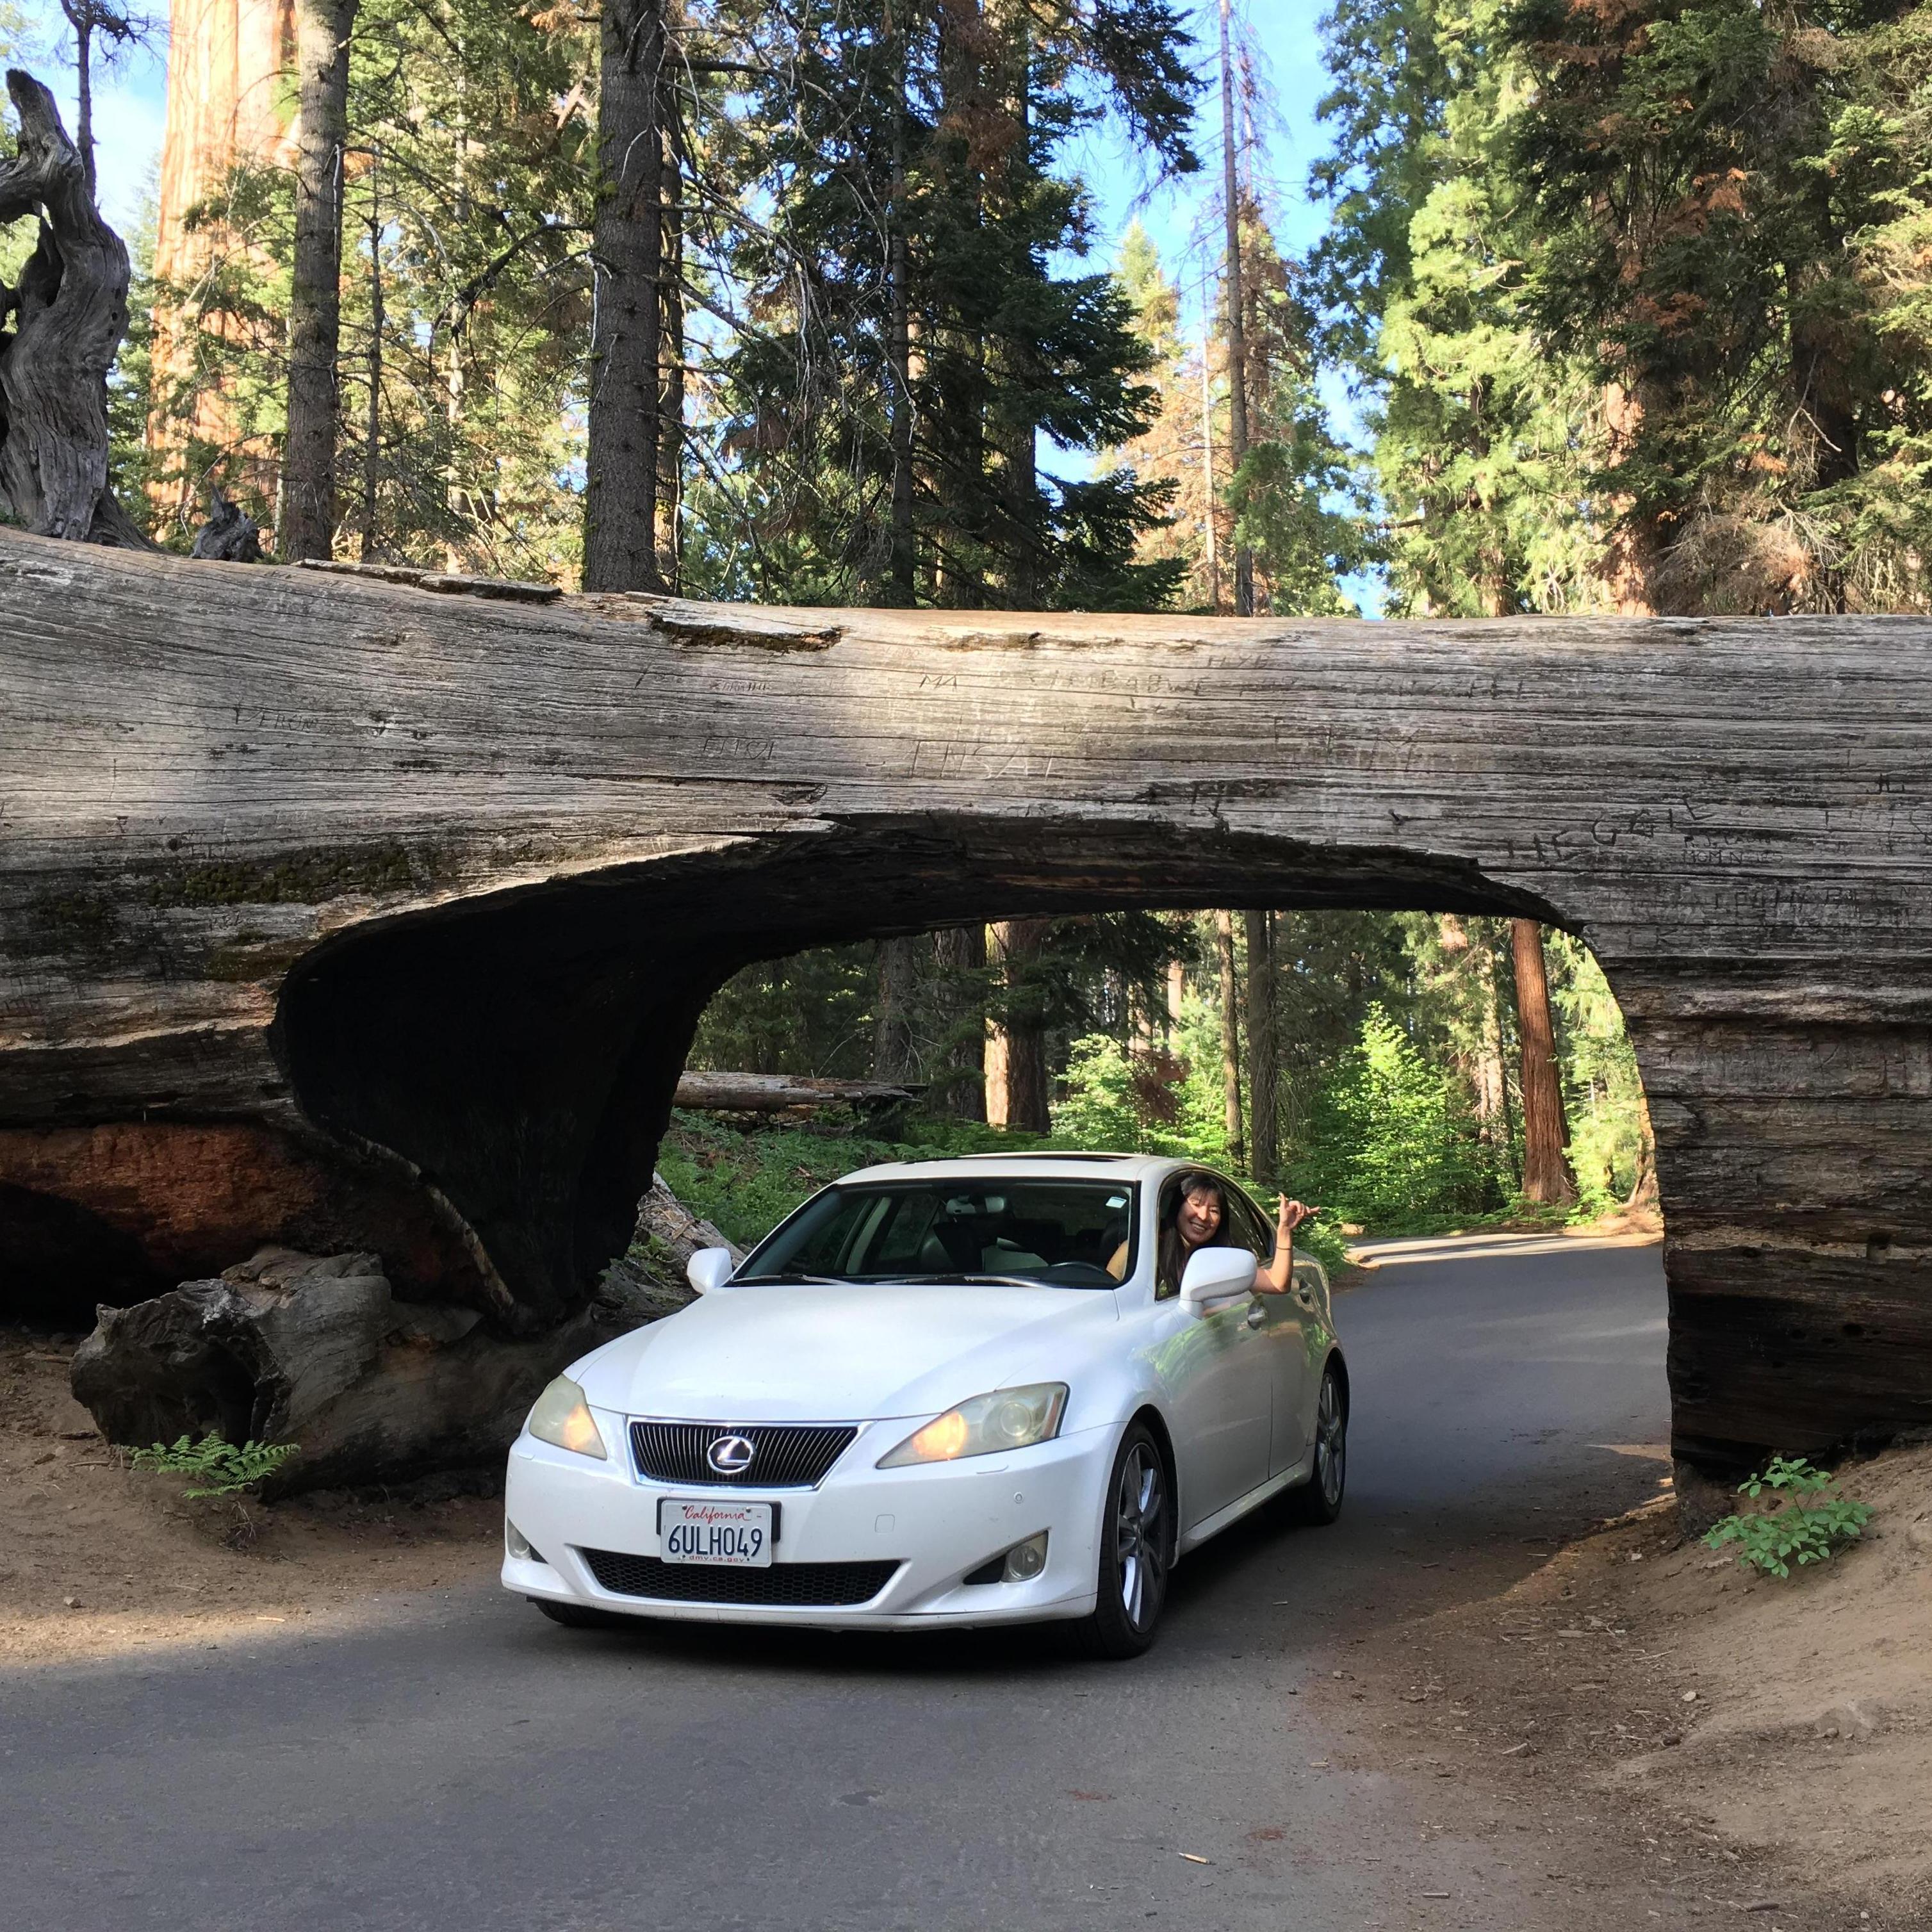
946	1392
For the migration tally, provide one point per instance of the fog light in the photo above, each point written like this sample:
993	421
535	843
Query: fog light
519	1545
1025	1561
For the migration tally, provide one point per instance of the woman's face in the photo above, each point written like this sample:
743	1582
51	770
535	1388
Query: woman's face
1199	1219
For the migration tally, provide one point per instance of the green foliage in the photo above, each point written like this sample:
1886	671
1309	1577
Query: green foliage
1609	1134
891	162
745	1182
1478	430
217	1467
1391	1138
464	293
1164	1100
1640	294
1804	1523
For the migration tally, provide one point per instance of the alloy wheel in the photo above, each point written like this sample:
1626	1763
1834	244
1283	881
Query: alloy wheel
1141	1540
1331	1443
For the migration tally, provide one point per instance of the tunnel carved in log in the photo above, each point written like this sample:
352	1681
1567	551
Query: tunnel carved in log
418	896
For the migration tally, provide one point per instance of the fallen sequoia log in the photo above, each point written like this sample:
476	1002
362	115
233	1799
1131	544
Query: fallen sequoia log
773	1093
358	915
317	1351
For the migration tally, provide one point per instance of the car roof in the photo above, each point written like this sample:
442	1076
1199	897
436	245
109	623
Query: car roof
1050	1166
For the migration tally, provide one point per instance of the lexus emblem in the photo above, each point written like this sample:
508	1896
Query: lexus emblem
731	1455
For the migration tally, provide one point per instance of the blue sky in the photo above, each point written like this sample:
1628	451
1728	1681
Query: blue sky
129	106
1287	36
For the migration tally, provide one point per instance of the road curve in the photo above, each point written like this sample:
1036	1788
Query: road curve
466	1765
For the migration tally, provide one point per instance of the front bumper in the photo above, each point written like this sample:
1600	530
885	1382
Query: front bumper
938	1521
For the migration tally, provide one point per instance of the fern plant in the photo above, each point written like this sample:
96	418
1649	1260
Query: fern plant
218	1468
1804	1522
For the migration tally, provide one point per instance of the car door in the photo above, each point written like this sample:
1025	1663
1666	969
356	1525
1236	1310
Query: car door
1282	1327
1218	1374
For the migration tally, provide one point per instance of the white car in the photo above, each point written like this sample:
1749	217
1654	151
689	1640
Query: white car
926	1400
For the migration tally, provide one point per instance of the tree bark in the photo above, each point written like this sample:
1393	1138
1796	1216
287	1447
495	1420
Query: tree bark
1237	320
670	407
1263	1149
1018	1094
372	427
899	346
1493	1113
627	251
1546	1178
82	20
895	1054
307	521
960	952
70	313
1230	1036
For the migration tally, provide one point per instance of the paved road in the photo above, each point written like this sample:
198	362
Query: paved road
469	1766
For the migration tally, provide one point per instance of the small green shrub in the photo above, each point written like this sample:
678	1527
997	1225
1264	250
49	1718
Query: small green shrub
218	1468
1391	1141
1802	1523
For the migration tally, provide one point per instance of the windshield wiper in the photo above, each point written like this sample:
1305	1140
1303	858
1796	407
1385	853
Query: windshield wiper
797	1280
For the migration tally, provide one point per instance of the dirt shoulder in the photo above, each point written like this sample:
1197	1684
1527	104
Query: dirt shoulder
1747	1744
97	1561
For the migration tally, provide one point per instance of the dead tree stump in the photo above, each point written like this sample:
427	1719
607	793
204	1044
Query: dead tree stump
69	312
230	535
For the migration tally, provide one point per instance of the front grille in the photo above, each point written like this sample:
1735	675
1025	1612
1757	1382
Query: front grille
802	1585
785	1455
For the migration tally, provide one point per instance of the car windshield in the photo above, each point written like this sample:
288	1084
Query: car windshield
1060	1233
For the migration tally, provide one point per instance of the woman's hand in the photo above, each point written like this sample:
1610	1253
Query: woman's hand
1273	1279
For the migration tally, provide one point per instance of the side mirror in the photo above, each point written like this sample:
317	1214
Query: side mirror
1215	1277
710	1268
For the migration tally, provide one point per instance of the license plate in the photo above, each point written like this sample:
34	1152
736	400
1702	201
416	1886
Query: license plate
716	1532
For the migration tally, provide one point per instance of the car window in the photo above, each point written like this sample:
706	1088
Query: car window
1061	1233
1242	1228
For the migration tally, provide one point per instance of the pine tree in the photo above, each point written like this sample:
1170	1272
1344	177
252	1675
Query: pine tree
908	340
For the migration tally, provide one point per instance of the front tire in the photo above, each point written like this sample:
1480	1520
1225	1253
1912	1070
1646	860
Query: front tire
1319	1500
1136	1551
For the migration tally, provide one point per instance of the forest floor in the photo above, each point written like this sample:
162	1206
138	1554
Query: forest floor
97	1560
1764	1746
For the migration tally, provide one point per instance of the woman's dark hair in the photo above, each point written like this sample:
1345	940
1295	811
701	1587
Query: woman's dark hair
1171	1252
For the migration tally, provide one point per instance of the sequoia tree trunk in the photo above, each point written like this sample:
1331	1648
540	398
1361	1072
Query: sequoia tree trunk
1238	321
1263	1149
1547	1177
1017	1094
627	256
307	521
960	952
893	1051
1230	1036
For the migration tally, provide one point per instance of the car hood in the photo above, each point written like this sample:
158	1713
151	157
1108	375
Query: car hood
843	1351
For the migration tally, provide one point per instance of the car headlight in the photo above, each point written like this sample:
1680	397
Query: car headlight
563	1417
1006	1419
